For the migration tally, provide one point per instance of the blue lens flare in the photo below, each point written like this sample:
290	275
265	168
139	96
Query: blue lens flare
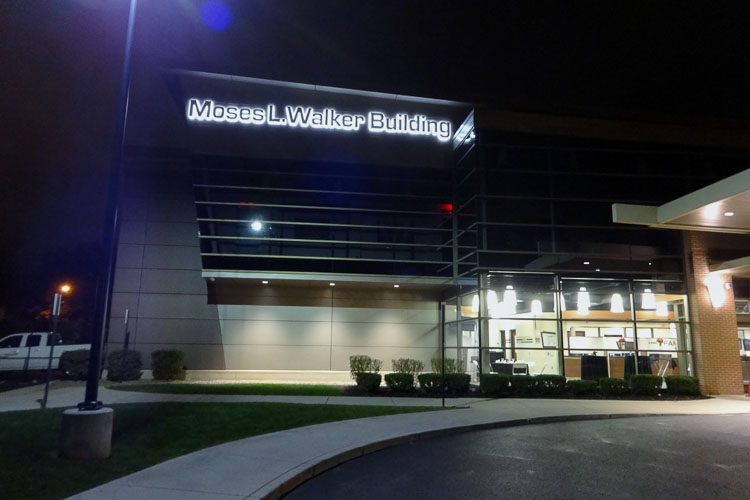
216	15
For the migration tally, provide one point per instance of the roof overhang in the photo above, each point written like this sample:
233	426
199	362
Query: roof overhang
722	207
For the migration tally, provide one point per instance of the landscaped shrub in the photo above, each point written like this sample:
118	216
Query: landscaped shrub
430	382
75	364
646	384
124	365
581	387
368	381
168	365
613	386
495	384
451	365
549	384
406	365
522	385
682	385
363	364
400	382
457	383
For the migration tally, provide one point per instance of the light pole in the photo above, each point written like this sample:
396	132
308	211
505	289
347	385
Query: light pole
56	303
110	239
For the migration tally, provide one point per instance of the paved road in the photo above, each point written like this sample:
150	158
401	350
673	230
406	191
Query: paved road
651	457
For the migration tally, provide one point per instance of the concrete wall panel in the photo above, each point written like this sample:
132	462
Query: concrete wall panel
176	306
172	281
237	332
171	257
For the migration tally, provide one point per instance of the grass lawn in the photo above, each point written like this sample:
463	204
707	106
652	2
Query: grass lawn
144	434
245	389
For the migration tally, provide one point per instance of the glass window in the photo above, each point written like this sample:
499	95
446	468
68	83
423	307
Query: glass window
12	341
33	340
604	300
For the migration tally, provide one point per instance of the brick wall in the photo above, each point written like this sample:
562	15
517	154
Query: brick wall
717	358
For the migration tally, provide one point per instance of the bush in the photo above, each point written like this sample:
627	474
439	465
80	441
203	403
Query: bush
549	384
522	385
581	387
406	365
363	364
451	365
124	365
75	364
429	382
400	382
456	383
613	386
368	381
645	385
168	365
681	385
494	383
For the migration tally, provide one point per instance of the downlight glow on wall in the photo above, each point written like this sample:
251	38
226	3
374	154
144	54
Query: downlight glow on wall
375	122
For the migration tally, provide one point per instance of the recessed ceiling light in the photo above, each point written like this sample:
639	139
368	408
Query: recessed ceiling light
331	284
265	282
728	214
597	269
649	263
586	263
396	286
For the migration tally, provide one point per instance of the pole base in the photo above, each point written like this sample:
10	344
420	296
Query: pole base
90	406
86	435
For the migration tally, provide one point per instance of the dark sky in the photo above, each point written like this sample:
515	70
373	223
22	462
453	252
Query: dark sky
60	65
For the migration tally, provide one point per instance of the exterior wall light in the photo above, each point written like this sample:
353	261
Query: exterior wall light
716	290
616	304
648	301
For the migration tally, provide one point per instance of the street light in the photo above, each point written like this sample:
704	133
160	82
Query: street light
56	303
66	288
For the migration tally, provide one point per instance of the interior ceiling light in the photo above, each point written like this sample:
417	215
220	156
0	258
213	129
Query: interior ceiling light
509	298
491	299
562	302
616	304
584	301
536	307
648	301
475	303
662	309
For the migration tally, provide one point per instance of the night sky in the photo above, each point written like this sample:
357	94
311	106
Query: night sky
60	64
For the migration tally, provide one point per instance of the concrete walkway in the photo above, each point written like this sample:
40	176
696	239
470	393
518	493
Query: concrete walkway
270	465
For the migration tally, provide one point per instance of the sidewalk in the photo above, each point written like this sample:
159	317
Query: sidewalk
69	394
270	465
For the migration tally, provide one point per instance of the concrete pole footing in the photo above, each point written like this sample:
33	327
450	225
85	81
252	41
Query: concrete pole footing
86	435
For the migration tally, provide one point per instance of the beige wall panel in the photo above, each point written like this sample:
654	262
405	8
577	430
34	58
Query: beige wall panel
127	280
188	331
122	301
369	315
171	257
235	332
133	231
172	281
385	334
176	306
161	210
129	255
255	357
172	233
275	313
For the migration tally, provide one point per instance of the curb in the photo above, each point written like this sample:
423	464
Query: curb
285	483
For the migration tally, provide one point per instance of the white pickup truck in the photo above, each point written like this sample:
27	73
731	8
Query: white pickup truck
30	351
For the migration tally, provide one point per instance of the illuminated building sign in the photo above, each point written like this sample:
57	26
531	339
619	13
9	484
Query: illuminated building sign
328	118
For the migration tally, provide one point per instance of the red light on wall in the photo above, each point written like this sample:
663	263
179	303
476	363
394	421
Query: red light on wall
446	207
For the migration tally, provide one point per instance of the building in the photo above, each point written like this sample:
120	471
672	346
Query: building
272	230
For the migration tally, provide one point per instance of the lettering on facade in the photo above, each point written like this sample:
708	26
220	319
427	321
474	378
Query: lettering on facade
206	110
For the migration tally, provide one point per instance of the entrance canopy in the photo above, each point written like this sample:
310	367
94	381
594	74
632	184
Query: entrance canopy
722	207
